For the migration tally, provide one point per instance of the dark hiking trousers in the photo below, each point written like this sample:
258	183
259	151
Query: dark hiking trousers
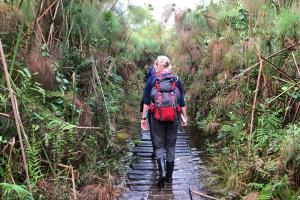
149	121
164	138
151	132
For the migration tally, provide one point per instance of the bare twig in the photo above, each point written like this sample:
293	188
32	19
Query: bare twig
4	115
287	109
45	12
16	115
271	56
296	112
96	76
250	8
298	70
280	70
11	144
71	168
254	102
20	4
202	194
86	127
52	25
285	91
42	35
113	6
37	14
110	68
73	183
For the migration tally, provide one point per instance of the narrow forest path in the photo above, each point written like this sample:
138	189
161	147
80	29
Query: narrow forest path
142	174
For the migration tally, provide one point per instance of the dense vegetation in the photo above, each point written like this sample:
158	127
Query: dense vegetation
242	80
76	69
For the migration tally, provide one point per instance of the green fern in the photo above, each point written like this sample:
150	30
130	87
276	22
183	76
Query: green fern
33	152
268	131
265	193
282	191
14	191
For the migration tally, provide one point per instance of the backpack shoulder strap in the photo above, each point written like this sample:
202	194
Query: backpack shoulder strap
153	82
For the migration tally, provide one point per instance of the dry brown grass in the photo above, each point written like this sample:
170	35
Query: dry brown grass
186	34
86	115
208	73
222	77
10	17
212	127
99	192
42	65
127	69
232	98
216	49
226	100
100	59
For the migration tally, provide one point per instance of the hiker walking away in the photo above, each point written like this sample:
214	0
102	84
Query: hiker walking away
151	72
164	97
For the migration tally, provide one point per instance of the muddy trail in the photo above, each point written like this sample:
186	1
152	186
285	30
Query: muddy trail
188	176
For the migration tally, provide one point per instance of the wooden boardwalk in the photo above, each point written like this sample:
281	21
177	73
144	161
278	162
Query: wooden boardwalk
143	174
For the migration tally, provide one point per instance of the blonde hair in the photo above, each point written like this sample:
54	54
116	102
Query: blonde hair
164	61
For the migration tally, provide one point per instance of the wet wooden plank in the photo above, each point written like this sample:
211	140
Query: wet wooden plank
143	173
152	162
133	195
180	137
150	145
186	176
148	142
148	150
154	167
184	154
169	195
182	147
182	187
177	159
176	181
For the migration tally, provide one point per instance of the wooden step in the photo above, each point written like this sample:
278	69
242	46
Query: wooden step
143	172
154	176
154	167
183	154
181	187
176	181
150	150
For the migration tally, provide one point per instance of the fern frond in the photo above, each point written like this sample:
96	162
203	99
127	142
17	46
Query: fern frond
33	152
14	191
265	193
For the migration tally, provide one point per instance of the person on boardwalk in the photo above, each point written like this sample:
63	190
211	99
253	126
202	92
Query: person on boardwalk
151	72
164	97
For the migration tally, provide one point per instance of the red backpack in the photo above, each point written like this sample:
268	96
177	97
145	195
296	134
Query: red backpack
164	97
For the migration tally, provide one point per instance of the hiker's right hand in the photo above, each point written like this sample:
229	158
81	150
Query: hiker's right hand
184	122
143	123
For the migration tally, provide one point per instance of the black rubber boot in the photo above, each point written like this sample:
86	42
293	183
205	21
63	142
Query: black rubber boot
170	168
153	155
162	173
